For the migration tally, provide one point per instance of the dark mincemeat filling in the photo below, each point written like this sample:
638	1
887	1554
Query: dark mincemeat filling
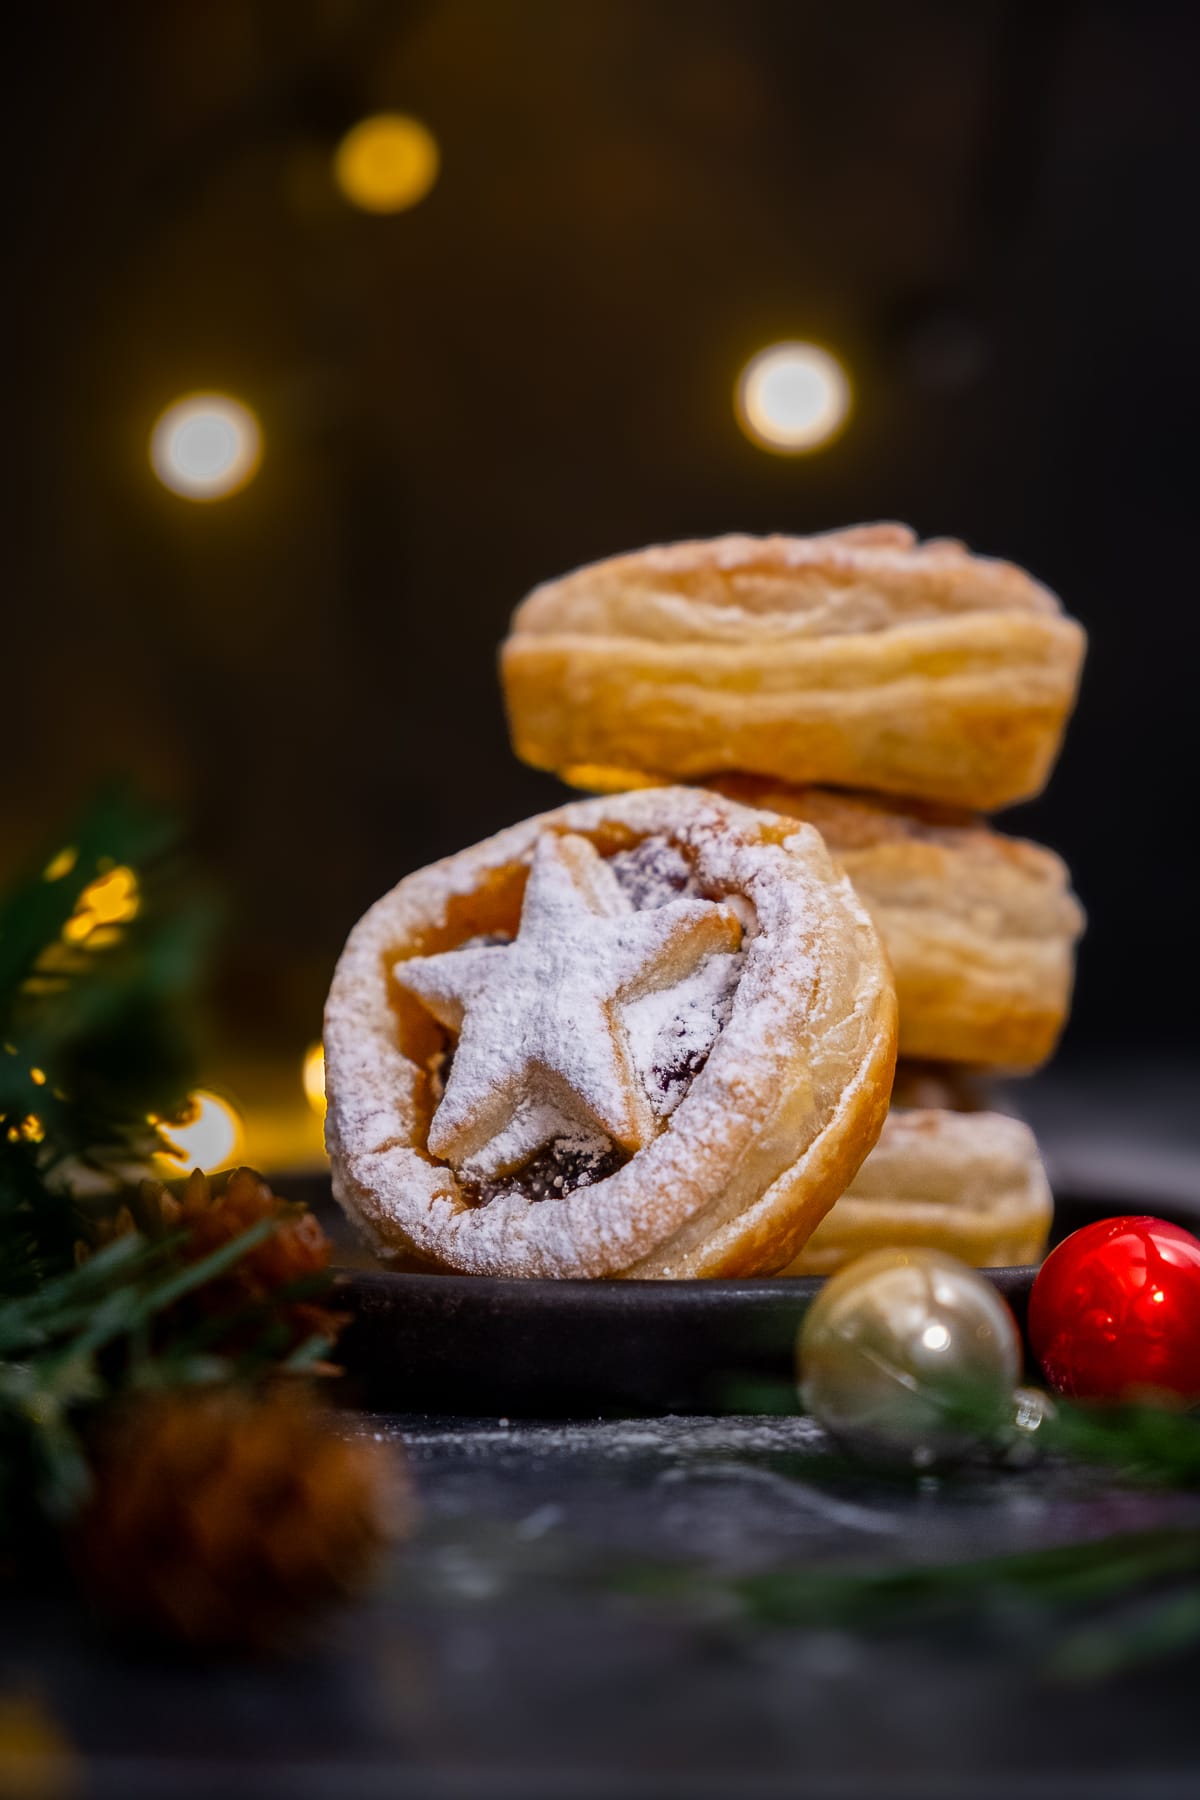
552	1174
678	1074
562	1166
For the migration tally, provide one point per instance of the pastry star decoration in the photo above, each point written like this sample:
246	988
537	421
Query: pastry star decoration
540	1045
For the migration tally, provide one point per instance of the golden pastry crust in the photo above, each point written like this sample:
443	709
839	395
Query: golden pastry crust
981	928
943	1087
859	659
968	1183
789	1100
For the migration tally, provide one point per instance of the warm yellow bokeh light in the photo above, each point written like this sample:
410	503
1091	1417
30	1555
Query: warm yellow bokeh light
30	1128
313	1076
792	397
112	899
61	865
206	446
386	163
207	1138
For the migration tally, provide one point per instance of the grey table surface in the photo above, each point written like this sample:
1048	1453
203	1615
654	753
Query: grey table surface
505	1653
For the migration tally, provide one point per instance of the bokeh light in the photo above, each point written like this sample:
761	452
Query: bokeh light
111	900
208	1136
206	446
62	864
313	1076
792	397
386	163
30	1128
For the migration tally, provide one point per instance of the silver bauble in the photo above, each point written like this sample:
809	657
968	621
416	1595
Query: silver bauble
909	1356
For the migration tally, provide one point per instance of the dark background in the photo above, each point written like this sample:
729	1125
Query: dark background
987	210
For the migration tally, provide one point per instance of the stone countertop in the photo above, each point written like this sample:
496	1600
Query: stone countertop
508	1652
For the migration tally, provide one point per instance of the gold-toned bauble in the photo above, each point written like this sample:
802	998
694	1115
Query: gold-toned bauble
909	1356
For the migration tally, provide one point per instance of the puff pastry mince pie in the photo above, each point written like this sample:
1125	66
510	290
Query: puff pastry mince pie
968	1183
860	659
645	1036
981	928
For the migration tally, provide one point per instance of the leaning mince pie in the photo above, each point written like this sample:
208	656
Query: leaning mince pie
980	928
968	1183
862	658
651	1035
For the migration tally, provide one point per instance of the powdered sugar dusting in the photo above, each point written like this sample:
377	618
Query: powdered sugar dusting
535	1123
575	1159
793	1085
654	872
671	1032
760	590
542	1054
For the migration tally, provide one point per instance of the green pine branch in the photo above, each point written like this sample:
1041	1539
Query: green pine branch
92	1024
1105	1605
1101	1606
88	1336
99	948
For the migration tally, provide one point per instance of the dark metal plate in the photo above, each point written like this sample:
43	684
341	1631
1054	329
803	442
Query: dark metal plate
571	1349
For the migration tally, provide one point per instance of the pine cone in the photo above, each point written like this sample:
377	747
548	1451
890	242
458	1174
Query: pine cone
226	1519
296	1251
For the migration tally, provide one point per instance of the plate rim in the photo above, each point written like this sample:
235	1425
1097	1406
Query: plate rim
621	1293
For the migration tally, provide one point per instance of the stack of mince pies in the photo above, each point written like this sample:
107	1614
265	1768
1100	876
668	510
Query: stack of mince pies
654	1033
888	693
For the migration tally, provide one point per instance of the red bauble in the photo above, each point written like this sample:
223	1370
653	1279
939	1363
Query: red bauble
1115	1311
